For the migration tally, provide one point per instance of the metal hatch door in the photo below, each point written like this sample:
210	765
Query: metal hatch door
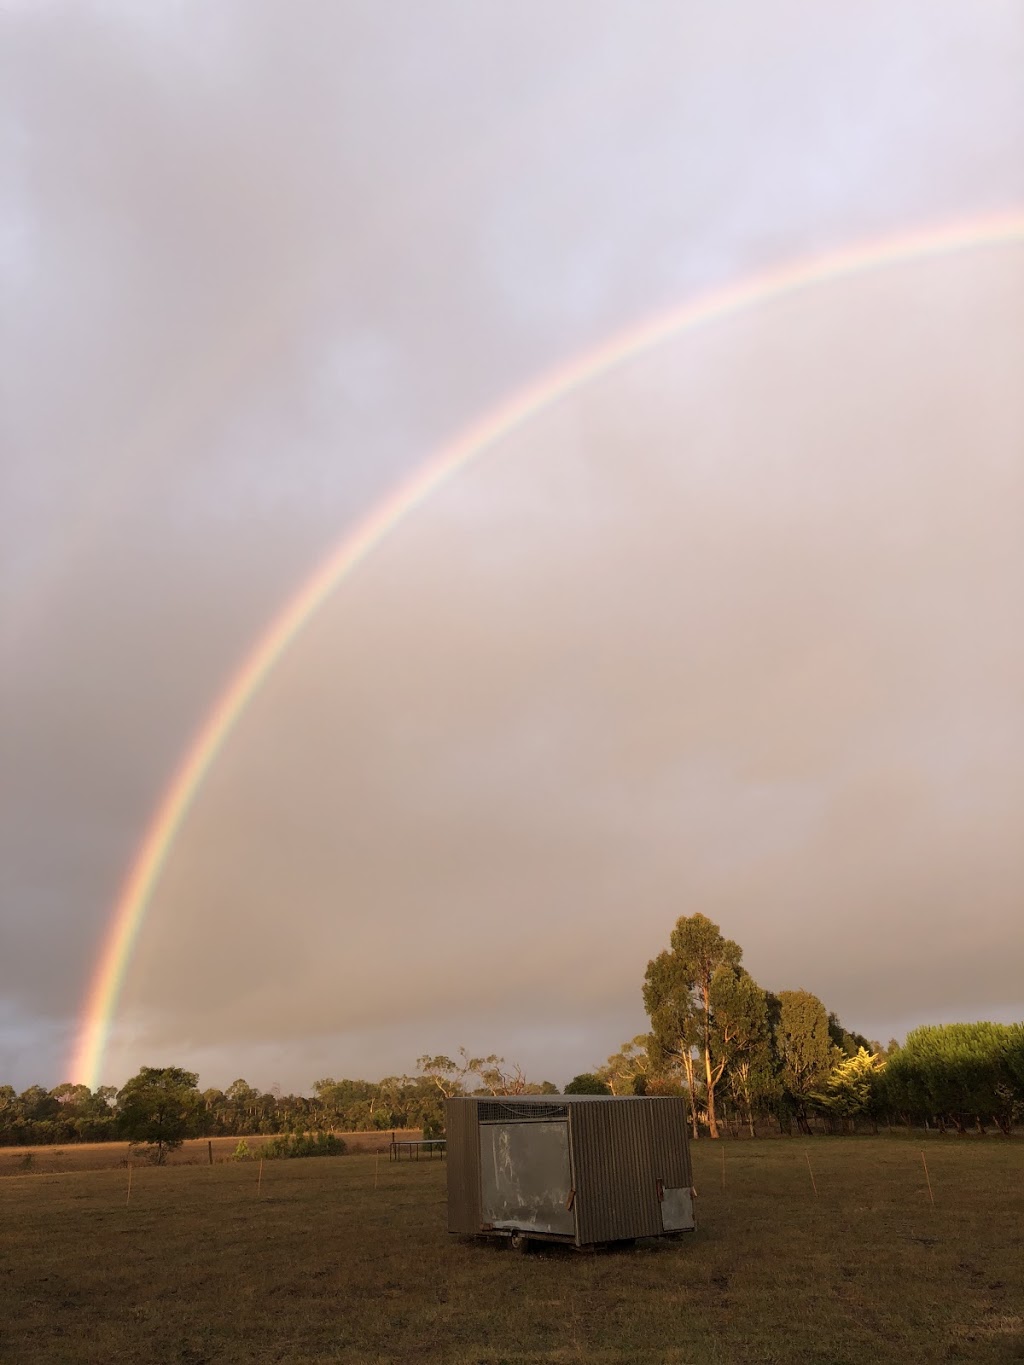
677	1210
526	1177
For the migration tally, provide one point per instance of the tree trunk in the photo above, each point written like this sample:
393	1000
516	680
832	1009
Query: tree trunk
688	1065
712	1123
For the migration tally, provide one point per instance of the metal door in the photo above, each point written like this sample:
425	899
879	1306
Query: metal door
525	1177
677	1210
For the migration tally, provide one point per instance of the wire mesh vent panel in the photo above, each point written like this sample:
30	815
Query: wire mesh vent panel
505	1111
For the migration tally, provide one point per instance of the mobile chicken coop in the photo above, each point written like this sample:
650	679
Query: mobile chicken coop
580	1169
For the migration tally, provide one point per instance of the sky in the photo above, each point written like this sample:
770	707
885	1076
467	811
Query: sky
733	627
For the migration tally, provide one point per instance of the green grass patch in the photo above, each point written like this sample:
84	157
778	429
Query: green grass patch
321	1266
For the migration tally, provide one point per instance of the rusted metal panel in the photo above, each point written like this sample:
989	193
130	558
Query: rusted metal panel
626	1153
463	1153
525	1177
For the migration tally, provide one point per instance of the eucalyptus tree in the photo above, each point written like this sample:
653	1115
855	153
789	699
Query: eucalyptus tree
674	1038
629	1068
492	1075
742	1033
681	990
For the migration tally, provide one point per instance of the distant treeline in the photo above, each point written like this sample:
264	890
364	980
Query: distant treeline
74	1113
748	1059
955	1076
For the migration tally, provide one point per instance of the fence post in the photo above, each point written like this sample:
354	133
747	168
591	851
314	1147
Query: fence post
814	1184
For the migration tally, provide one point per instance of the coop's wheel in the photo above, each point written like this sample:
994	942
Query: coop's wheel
520	1242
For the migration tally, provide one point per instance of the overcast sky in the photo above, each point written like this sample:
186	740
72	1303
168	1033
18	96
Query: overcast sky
735	628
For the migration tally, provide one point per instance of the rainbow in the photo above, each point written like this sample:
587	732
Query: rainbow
130	910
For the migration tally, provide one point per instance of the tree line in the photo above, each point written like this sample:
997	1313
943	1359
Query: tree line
746	1058
74	1113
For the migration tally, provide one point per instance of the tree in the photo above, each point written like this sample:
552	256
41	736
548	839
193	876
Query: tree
586	1084
244	1102
346	1103
805	1049
72	1097
495	1080
852	1087
215	1106
678	995
1014	1058
847	1040
958	1073
451	1077
159	1107
673	1040
37	1104
628	1068
743	1039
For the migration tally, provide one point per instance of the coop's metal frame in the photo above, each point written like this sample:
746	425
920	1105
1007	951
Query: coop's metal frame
579	1169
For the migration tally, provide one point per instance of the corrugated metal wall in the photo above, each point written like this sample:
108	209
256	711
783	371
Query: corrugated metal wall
462	1157
620	1150
668	1116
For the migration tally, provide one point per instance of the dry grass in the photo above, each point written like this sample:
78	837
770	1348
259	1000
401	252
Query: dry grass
105	1156
323	1267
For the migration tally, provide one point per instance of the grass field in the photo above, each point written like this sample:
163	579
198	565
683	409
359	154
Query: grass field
321	1266
102	1156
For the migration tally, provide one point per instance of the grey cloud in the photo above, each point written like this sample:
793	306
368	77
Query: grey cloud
262	265
560	707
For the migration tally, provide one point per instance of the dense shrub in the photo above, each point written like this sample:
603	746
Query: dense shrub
303	1144
587	1084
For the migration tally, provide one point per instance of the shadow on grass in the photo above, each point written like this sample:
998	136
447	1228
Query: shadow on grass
998	1340
560	1251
